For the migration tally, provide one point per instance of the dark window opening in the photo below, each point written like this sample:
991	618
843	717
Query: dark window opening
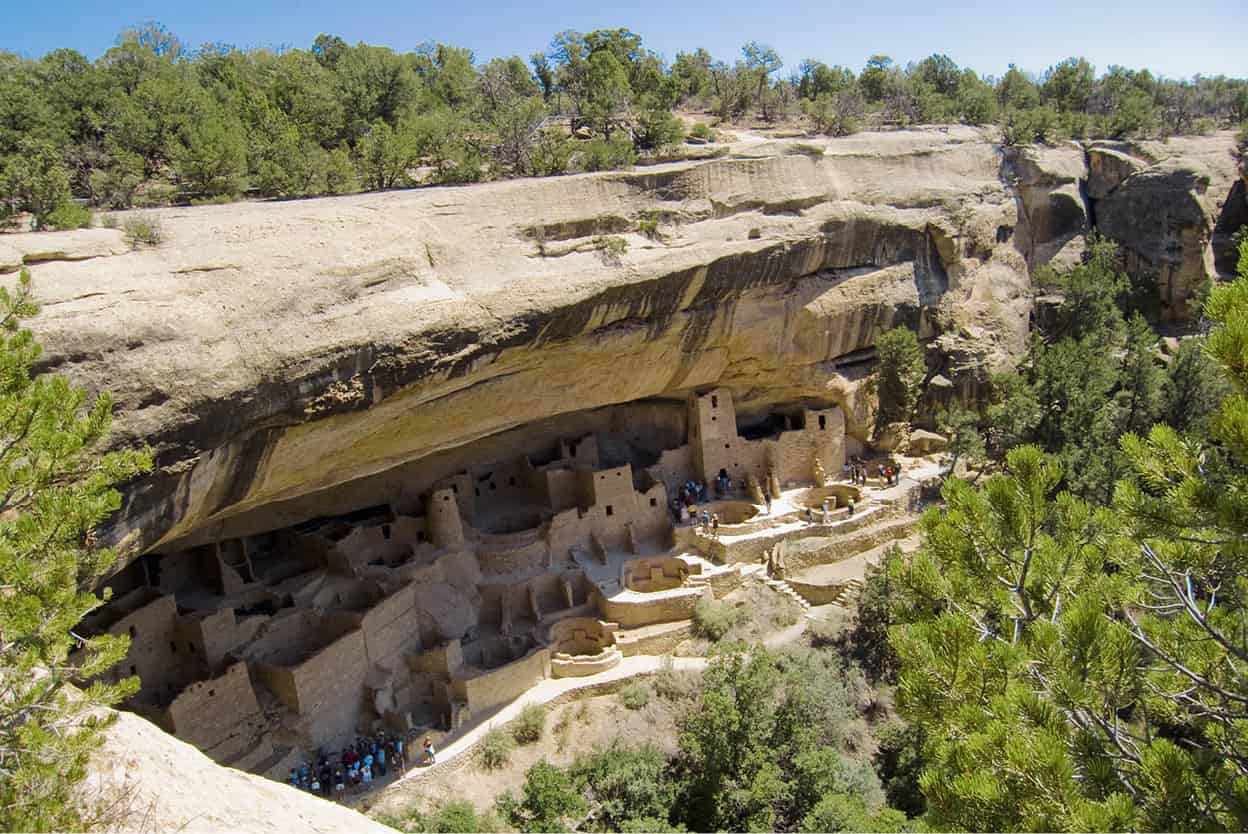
420	535
493	485
620	474
511	481
385	532
134	670
823	423
454	489
447	497
714	401
190	647
476	491
654	502
212	692
572	450
726	446
713	419
173	646
610	510
133	633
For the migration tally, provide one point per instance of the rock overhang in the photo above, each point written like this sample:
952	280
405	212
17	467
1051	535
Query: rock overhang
276	350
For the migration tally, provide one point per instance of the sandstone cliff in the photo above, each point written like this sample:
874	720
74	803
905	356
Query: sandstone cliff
144	779
272	353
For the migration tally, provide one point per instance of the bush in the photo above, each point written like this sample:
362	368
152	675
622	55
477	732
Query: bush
69	215
713	620
672	685
648	225
145	231
701	131
495	749
607	154
529	724
657	128
635	696
612	247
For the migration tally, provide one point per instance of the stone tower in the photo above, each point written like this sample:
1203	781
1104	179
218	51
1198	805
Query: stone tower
446	529
712	433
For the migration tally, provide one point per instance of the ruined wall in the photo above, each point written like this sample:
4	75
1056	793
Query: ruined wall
485	690
392	628
636	610
220	715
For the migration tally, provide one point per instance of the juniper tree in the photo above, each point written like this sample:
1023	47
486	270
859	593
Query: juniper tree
55	488
900	375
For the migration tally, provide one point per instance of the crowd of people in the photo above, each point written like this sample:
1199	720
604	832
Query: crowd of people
857	471
367	760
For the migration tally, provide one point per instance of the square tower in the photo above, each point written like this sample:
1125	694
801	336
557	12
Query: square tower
712	433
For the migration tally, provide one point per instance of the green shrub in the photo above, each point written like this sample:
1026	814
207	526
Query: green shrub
635	696
495	749
657	128
649	227
607	154
69	215
145	231
713	620
611	247
109	221
701	131
529	724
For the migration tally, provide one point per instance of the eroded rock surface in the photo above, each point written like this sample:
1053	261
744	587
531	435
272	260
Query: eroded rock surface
274	352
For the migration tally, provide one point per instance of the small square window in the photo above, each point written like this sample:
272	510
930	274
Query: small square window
134	670
654	502
133	633
714	401
823	423
173	647
610	510
726	446
211	693
511	481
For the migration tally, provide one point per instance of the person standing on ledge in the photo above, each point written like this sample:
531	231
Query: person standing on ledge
429	750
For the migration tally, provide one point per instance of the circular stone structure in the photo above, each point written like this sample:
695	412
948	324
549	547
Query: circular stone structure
837	495
582	646
656	573
730	512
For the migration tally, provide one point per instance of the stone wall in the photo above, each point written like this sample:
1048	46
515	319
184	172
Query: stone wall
392	628
633	610
220	715
483	690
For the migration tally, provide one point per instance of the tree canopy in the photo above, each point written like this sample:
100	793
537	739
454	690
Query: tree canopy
155	119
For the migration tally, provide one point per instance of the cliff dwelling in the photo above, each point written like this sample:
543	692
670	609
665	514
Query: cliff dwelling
449	586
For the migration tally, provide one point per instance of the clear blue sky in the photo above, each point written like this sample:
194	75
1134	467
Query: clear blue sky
1176	39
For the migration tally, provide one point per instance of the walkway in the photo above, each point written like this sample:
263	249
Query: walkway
544	692
549	689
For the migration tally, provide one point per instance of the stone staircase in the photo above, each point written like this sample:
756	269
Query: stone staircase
782	587
850	593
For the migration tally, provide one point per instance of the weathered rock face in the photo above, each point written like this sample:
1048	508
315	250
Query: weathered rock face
1171	205
274	353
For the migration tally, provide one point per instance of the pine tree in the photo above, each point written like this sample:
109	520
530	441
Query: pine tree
56	489
1075	667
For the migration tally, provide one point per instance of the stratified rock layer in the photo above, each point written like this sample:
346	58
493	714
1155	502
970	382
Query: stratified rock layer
271	353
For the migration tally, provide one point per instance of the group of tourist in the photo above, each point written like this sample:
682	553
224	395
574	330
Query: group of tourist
857	472
368	759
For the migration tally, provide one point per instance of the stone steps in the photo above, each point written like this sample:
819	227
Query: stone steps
782	587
